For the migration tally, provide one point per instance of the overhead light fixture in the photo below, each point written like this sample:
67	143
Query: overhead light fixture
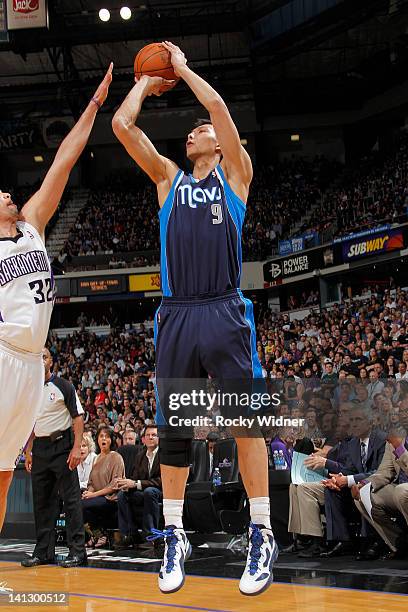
244	141
104	15
38	158
125	13
295	137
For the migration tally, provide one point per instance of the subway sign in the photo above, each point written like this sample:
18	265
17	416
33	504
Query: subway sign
368	246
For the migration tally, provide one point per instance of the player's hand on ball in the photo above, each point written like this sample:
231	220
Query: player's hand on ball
157	85
102	92
178	59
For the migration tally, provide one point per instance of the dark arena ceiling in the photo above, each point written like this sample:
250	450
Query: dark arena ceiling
289	56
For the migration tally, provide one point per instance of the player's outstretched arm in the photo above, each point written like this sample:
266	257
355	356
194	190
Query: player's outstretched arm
236	160
137	144
42	205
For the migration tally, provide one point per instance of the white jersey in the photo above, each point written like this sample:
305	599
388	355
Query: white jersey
26	290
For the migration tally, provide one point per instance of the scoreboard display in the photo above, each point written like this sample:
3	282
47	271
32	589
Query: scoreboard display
100	285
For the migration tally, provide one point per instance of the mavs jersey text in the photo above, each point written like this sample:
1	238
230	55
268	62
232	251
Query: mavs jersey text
26	301
204	325
200	229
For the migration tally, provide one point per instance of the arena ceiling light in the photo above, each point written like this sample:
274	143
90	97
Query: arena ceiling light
295	137
38	158
104	14
125	13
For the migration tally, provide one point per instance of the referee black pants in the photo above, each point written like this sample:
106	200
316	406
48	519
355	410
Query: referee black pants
51	480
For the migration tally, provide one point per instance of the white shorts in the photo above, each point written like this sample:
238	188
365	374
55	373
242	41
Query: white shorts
21	399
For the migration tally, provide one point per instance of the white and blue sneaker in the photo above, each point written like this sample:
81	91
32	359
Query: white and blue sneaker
262	554
177	550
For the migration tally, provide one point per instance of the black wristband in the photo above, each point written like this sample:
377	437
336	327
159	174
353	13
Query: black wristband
98	104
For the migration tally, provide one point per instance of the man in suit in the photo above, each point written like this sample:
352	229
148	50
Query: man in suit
141	488
389	492
365	452
307	498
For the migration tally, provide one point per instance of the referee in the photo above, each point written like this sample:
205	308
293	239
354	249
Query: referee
52	455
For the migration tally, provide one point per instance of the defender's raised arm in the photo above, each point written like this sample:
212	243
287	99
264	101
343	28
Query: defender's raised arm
43	204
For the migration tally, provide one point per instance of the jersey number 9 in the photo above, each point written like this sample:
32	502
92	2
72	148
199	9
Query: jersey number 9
216	210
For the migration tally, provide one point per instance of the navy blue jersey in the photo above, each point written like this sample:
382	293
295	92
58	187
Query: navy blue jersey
200	233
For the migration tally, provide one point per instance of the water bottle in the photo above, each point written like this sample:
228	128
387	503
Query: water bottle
282	462
216	479
276	459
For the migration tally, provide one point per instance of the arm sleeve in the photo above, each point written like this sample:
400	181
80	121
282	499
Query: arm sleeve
71	398
332	466
117	469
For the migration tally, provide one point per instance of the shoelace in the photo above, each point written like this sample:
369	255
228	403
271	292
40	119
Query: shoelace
255	554
171	541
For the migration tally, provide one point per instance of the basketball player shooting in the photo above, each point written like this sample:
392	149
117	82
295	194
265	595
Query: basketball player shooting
27	295
204	323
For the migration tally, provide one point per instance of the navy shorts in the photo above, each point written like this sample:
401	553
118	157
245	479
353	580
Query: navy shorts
197	338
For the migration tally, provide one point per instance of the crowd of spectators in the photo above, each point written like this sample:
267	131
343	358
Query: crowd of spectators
350	359
304	298
126	221
364	341
372	193
340	199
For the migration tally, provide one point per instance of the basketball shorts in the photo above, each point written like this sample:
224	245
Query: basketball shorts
21	399
201	338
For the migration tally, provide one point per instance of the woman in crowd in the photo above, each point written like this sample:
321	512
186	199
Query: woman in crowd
88	457
364	376
99	500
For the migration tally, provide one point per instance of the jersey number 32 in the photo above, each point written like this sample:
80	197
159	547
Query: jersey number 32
42	290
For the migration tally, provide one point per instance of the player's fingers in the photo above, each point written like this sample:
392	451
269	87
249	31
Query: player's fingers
172	45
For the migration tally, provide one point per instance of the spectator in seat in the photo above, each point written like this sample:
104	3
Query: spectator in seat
307	498
329	377
375	385
365	452
389	493
283	442
88	457
142	488
99	500
129	449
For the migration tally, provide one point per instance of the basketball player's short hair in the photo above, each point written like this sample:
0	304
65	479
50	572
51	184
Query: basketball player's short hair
200	122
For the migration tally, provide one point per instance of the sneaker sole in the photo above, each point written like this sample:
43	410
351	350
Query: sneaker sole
274	556
187	556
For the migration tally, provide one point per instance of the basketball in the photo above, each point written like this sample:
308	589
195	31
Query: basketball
154	60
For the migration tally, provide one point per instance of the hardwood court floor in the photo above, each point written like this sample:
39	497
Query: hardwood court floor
103	590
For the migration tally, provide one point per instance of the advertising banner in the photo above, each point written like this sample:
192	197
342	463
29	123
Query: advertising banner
144	282
24	14
374	230
300	243
278	269
18	135
372	245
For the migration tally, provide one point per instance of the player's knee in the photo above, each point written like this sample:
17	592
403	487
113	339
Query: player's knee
176	453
